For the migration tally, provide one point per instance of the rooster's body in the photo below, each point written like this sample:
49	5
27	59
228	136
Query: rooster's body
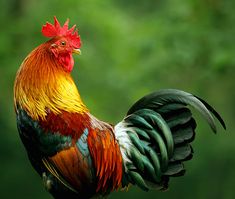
79	156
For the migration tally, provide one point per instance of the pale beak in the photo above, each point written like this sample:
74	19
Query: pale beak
77	51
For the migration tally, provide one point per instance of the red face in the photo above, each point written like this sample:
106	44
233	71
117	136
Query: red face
62	49
65	42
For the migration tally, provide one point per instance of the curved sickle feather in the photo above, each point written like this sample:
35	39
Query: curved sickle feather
166	96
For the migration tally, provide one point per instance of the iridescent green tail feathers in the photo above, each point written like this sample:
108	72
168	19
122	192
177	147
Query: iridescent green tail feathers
155	137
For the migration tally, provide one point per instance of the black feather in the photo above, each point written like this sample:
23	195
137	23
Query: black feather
169	96
165	128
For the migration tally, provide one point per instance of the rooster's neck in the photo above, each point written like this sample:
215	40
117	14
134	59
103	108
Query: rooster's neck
42	85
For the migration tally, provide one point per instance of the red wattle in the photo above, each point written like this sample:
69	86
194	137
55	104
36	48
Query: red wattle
67	61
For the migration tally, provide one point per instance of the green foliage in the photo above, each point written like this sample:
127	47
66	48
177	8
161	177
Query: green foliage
130	48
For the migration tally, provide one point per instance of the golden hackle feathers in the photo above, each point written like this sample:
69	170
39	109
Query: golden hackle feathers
42	84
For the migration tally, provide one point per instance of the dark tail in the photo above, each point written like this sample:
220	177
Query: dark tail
160	128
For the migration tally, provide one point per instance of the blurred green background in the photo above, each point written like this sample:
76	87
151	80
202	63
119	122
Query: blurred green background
130	48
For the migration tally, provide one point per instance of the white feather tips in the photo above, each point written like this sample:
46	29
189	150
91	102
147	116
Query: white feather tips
125	144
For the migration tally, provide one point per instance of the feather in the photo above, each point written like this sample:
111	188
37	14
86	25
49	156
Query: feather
176	169
137	159
165	128
53	171
158	122
182	153
141	133
183	135
108	168
136	120
149	170
162	97
136	141
136	178
154	160
159	142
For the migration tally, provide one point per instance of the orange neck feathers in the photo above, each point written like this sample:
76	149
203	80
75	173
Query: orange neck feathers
43	85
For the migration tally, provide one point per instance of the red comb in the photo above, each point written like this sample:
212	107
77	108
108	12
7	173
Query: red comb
50	30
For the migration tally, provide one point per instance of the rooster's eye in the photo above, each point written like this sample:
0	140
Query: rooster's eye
63	43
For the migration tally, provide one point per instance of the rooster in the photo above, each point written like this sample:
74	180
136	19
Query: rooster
79	156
